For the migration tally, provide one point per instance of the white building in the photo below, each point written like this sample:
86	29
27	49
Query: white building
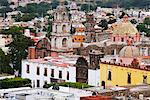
55	69
26	93
47	70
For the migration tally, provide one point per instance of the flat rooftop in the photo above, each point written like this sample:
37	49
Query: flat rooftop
60	61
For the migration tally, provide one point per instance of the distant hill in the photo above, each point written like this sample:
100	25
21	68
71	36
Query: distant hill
120	3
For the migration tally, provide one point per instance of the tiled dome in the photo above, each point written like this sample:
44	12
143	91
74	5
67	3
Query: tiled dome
129	51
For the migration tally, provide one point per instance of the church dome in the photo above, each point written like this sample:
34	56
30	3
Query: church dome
80	28
79	34
125	28
129	51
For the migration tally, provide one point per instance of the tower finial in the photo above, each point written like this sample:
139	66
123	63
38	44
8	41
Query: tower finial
125	18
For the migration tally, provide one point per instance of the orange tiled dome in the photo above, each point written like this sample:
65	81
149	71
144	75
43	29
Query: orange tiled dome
80	28
79	34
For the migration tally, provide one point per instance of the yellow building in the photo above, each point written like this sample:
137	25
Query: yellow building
117	75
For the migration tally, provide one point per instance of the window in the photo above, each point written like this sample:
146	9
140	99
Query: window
55	42
112	52
38	83
52	72
64	29
28	69
129	78
45	71
63	17
122	39
114	39
109	75
67	75
60	74
56	28
64	42
56	16
45	82
38	71
144	79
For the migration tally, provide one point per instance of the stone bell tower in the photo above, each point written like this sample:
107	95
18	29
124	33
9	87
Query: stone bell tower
61	38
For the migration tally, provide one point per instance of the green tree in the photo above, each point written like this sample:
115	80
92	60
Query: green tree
49	28
104	24
14	82
4	3
18	48
87	7
133	21
147	21
5	63
144	27
66	2
27	17
54	4
4	10
14	31
36	9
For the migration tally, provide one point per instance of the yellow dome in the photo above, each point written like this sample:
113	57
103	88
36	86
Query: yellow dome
125	28
129	51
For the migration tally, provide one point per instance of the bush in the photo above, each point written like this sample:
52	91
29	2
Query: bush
69	84
14	83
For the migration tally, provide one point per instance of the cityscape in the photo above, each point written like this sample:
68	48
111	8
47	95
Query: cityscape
74	49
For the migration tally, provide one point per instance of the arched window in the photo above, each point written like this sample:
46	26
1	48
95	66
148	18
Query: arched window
64	42
144	79
64	28
55	41
56	16
129	78
114	39
56	28
109	75
63	16
103	84
60	74
67	75
122	39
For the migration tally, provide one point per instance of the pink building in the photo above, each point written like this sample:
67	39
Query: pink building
125	30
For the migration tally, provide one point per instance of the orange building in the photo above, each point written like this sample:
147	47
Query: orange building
79	36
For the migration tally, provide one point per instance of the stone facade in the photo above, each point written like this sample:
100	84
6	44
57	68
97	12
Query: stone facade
90	31
41	49
82	70
112	49
85	50
61	37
